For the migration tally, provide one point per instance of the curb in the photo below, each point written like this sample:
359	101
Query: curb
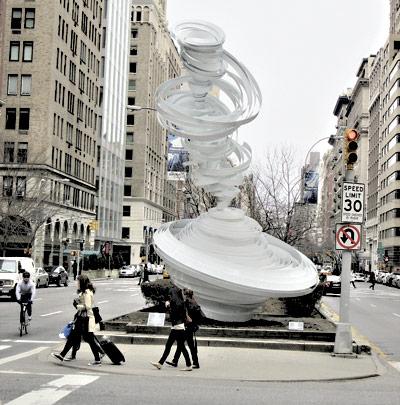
299	345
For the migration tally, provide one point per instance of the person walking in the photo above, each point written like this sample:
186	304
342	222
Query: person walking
353	279
85	322
75	269
194	316
176	306
372	280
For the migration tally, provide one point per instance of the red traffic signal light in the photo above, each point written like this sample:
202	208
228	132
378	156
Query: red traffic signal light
351	137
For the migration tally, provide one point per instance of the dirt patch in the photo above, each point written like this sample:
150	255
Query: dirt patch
271	315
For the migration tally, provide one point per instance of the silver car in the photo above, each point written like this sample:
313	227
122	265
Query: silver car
42	278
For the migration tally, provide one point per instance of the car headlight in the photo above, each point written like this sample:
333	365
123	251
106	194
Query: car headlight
7	283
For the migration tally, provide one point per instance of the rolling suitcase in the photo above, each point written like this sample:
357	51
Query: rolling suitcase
111	350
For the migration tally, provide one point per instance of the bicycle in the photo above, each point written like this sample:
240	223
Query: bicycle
23	323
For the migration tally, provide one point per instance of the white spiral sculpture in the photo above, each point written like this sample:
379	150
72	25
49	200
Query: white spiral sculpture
222	255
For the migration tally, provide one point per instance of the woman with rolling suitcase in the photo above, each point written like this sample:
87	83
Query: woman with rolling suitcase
85	322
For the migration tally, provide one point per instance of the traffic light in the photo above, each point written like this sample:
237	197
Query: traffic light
350	156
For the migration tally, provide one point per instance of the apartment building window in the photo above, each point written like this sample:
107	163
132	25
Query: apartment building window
26	85
24	119
126	211
129	137
132	85
30	18
20	187
9	152
7	186
72	71
130	119
14	51
27	55
127	190
128	171
131	101
22	154
132	67
71	103
68	163
125	233
16	18
133	51
134	33
138	16
12	85
11	118
128	154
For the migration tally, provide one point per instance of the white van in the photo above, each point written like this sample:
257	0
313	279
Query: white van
11	269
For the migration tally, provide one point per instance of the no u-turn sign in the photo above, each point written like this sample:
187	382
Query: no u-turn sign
348	236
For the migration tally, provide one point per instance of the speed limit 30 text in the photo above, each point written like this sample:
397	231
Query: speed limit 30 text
353	190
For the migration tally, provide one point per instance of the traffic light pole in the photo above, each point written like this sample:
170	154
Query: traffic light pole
343	337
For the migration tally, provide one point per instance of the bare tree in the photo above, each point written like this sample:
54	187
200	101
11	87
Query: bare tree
197	199
272	193
25	206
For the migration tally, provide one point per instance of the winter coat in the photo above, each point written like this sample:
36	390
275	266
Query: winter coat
84	307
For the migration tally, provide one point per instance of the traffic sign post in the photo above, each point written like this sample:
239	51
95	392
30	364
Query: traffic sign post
353	202
348	236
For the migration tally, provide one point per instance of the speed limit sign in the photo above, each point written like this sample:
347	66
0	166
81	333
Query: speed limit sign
353	202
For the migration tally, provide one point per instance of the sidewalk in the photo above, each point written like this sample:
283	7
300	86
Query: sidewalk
231	363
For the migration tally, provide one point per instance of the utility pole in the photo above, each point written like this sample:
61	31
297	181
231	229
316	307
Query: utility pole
352	207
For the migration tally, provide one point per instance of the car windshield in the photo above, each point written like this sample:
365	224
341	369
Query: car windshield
8	266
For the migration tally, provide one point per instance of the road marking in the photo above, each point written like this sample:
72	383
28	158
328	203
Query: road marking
38	299
54	391
2	347
102	302
52	313
373	305
135	295
35	341
395	364
394	313
28	373
22	355
358	299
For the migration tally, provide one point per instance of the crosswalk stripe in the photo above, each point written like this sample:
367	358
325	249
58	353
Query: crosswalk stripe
394	313
22	355
2	347
54	391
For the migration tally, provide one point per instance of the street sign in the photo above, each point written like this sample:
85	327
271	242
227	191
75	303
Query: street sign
353	202
348	236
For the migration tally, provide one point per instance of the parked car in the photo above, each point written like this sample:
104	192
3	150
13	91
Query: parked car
359	277
42	278
57	275
128	271
332	285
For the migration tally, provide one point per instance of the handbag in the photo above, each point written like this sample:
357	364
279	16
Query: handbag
97	316
66	330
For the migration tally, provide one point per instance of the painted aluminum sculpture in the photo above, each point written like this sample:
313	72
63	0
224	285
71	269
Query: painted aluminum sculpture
222	255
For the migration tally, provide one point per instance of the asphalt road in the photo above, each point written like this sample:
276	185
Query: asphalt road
27	376
376	315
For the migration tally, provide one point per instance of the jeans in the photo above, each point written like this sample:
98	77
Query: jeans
179	337
192	347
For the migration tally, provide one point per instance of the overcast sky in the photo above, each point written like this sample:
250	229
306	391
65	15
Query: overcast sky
303	54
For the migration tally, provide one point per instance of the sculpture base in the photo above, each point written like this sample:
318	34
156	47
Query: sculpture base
232	266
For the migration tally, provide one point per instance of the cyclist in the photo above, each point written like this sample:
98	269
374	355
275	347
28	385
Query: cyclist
25	292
